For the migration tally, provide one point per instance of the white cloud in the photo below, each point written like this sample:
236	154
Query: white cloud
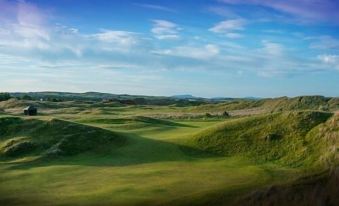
272	49
25	27
201	53
229	28
330	60
155	7
234	35
122	38
26	30
303	10
163	29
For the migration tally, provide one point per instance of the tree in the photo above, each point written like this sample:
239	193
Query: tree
4	96
27	97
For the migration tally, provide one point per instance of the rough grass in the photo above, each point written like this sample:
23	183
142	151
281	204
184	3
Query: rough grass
53	137
156	162
133	122
152	168
279	137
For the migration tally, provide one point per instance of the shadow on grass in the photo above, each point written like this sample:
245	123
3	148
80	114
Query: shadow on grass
135	120
137	150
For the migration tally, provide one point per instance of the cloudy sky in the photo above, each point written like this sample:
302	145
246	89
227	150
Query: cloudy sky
208	48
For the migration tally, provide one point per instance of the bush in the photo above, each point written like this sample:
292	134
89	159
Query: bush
225	114
27	97
208	115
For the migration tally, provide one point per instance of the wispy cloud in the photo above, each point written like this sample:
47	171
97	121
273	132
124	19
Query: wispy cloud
324	42
201	53
229	27
223	11
155	7
305	10
120	39
163	29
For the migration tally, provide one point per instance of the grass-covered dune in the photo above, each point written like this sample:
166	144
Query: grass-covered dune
287	138
20	137
129	158
309	140
273	104
318	189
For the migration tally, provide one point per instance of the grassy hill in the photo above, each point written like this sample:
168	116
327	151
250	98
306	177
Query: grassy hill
92	152
288	138
20	137
274	104
309	140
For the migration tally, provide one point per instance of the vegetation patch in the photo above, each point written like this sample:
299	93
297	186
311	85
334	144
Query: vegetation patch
279	137
54	137
17	146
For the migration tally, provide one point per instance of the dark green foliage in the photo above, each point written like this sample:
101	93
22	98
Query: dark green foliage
4	96
27	97
208	115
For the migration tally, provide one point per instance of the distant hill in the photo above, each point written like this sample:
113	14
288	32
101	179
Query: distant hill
315	102
185	96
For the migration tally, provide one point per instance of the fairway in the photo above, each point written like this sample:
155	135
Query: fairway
155	166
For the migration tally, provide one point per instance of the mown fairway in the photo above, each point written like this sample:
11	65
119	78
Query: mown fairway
143	161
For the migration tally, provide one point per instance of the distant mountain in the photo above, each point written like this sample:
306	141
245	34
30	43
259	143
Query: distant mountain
185	96
252	98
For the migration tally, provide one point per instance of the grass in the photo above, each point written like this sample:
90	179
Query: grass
53	137
127	156
155	182
264	139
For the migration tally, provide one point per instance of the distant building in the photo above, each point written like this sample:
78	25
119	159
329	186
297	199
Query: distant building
31	111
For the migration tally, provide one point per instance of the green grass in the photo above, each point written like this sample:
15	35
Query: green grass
122	156
53	137
278	137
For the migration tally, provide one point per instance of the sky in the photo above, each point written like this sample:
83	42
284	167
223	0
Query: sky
208	48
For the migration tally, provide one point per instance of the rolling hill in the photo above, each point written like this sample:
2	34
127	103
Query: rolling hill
288	138
20	137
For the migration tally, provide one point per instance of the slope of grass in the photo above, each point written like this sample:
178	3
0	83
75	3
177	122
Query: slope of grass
54	137
132	122
320	188
279	137
150	169
150	162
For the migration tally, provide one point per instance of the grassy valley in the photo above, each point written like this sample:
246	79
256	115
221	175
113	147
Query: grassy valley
97	152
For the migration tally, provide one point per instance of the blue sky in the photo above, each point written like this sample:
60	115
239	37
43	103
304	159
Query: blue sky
206	48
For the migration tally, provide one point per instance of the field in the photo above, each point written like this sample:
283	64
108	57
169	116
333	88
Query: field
81	153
